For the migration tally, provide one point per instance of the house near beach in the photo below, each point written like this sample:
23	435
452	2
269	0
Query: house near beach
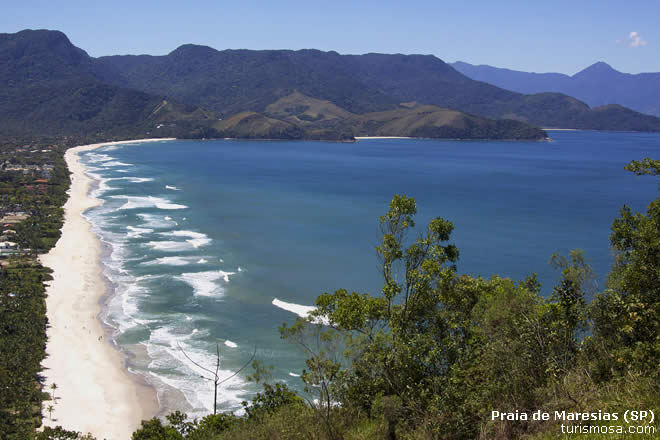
8	248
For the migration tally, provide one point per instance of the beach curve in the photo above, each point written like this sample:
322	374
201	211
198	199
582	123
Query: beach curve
94	391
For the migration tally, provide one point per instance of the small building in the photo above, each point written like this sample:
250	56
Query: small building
9	220
8	248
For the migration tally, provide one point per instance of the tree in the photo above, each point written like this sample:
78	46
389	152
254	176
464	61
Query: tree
59	433
180	428
214	377
394	341
154	429
53	387
627	315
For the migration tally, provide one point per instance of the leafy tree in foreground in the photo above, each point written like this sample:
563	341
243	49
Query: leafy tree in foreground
435	352
627	315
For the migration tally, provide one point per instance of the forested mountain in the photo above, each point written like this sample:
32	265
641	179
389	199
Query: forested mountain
50	87
230	81
53	87
597	85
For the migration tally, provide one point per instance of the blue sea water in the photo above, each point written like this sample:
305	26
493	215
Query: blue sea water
219	242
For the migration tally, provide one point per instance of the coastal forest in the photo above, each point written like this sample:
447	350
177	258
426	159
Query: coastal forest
33	184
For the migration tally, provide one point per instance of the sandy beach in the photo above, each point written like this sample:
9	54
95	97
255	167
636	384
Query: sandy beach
381	137
95	392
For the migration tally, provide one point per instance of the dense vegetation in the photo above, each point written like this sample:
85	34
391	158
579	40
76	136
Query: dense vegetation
434	353
37	188
232	81
54	88
51	88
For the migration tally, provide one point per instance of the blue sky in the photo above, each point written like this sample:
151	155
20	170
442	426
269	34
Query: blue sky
541	36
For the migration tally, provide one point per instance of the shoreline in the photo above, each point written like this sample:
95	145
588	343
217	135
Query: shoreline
359	138
95	392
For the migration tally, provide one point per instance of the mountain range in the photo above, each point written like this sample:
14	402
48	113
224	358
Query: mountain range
598	84
49	86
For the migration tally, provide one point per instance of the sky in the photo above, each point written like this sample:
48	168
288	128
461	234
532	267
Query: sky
532	35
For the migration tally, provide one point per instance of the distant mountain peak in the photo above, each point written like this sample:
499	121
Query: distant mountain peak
193	49
598	68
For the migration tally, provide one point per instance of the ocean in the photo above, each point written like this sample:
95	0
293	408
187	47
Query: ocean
212	244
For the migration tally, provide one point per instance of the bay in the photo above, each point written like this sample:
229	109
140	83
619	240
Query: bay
202	236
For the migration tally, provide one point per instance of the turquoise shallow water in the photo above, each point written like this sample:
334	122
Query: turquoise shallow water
202	236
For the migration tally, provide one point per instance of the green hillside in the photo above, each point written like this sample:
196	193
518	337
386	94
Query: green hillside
56	89
52	88
232	81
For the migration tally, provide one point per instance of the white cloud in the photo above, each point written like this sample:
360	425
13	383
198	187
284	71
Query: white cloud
636	40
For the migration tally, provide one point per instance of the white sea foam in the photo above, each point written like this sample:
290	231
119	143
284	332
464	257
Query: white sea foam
156	221
239	269
171	261
135	232
173	188
197	242
202	261
300	310
124	305
169	246
98	157
196	239
115	163
133	179
230	344
292	374
166	347
137	202
121	171
102	185
205	283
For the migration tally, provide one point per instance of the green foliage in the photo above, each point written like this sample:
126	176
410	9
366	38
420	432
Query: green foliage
59	433
646	166
22	343
271	400
627	314
154	429
180	428
435	353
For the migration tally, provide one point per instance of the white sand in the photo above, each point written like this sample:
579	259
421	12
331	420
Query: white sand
95	392
381	137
